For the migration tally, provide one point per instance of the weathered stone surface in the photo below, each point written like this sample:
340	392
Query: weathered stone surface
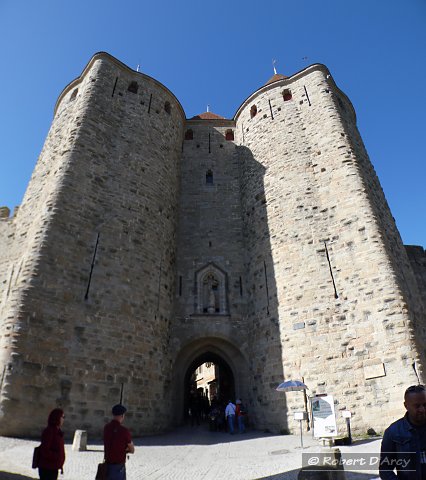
147	242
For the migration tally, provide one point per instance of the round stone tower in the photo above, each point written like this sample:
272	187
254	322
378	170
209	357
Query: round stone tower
91	298
328	276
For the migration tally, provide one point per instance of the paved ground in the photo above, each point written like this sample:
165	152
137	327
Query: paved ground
186	454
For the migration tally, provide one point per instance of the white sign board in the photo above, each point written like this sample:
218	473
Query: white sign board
300	415
323	416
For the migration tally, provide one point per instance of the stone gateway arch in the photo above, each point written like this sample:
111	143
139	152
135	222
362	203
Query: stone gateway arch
148	243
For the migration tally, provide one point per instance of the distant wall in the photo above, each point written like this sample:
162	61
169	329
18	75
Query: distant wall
417	257
7	234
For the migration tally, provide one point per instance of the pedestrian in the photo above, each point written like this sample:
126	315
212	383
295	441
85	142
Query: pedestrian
117	444
240	412
230	416
404	441
195	408
52	449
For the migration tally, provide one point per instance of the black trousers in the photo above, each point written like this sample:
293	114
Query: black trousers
45	474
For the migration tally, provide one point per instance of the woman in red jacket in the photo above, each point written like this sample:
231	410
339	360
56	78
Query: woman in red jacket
52	451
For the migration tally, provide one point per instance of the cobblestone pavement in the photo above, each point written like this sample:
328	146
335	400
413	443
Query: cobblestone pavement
186	453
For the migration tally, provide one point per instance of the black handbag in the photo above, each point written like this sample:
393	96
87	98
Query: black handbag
101	474
36	457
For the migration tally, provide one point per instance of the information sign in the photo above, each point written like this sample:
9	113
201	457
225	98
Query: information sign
323	416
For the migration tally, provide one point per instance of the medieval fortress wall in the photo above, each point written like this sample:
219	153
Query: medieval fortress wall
79	333
345	292
146	240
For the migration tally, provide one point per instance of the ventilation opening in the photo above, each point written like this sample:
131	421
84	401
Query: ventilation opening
189	135
229	135
167	107
133	87
253	111
287	95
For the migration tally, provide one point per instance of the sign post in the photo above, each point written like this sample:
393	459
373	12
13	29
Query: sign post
301	416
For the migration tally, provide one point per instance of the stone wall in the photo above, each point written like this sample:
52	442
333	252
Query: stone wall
146	243
417	257
210	243
96	294
340	276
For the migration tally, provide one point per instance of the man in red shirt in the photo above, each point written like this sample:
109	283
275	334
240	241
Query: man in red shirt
117	443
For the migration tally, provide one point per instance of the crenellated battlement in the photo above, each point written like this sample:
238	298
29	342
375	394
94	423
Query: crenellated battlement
5	212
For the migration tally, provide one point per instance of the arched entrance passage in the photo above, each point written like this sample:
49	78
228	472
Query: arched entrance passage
229	359
224	388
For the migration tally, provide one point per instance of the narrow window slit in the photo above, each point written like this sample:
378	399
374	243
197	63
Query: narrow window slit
307	96
86	296
159	283
115	85
267	288
150	101
270	108
331	271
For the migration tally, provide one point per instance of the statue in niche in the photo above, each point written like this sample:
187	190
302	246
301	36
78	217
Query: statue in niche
210	294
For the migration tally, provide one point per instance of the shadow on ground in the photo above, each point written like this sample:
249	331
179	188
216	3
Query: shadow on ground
13	476
307	475
361	441
199	435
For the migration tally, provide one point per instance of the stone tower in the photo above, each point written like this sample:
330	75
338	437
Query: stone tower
148	243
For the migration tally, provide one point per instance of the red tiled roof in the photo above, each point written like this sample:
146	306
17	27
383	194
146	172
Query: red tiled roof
208	116
275	78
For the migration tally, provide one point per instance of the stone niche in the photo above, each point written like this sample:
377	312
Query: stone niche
211	291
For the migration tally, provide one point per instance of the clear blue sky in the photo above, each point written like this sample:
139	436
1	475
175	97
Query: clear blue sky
218	53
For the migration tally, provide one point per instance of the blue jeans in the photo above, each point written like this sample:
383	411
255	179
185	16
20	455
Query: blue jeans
231	420
241	426
116	472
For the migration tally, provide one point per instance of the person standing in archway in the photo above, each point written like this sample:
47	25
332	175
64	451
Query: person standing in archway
230	416
240	413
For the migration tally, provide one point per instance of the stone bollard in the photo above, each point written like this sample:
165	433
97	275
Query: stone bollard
324	472
80	441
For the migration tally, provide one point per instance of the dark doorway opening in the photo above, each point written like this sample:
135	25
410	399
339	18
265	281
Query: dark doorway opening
208	380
